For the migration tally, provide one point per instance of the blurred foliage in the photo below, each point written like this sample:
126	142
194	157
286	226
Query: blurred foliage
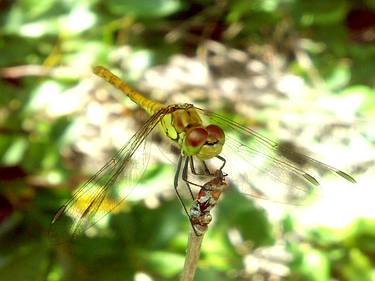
48	46
345	256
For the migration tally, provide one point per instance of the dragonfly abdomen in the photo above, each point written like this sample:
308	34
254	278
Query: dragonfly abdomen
148	105
180	122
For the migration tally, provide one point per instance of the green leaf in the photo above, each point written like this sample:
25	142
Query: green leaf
166	264
203	275
339	78
144	8
311	265
25	263
321	12
370	3
236	211
365	94
15	152
358	267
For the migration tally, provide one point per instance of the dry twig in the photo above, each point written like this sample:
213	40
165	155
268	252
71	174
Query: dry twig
200	217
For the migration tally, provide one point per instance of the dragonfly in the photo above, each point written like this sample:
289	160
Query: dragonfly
202	137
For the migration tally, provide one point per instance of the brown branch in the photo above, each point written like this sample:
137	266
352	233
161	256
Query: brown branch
200	217
20	71
192	256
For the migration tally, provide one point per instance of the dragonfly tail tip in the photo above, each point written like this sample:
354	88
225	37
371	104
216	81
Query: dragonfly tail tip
346	176
311	179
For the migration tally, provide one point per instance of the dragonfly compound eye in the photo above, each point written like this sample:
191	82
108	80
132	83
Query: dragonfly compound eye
194	140
215	134
214	143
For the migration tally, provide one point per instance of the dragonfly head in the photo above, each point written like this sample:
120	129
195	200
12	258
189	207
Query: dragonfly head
204	142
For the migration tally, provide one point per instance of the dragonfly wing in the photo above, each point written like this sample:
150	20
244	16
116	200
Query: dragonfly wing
98	193
263	176
265	169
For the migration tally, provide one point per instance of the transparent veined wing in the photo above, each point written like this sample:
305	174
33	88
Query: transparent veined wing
97	197
264	169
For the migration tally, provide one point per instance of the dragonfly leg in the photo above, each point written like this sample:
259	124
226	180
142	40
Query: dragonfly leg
194	172
222	159
177	174
192	167
185	177
176	177
206	170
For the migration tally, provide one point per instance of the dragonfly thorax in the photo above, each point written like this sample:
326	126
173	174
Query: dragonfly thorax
185	126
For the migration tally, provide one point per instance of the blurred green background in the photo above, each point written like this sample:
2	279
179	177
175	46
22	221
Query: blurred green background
297	70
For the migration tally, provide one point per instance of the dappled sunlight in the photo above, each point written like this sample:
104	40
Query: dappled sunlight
284	80
339	206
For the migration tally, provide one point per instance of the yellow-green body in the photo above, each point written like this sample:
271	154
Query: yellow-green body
174	124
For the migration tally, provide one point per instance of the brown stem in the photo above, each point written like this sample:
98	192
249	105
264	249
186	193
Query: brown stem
192	256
